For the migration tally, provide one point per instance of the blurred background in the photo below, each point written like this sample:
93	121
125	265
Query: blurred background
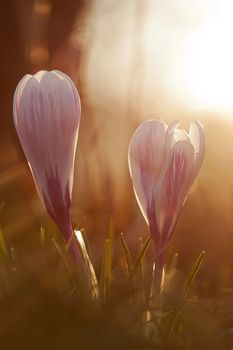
131	60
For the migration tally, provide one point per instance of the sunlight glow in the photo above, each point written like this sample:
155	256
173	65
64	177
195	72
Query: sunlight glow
207	67
195	51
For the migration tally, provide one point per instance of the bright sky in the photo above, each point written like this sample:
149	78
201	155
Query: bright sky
199	69
185	50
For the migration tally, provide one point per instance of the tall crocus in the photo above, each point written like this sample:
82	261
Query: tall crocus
164	161
47	116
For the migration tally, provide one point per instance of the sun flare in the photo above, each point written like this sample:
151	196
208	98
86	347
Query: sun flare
207	67
195	52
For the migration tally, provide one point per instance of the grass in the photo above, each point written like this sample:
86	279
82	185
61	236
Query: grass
44	304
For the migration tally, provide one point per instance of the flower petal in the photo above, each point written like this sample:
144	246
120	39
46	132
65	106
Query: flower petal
174	188
197	138
47	116
145	157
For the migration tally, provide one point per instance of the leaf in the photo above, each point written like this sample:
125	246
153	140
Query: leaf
110	236
86	241
89	269
128	257
152	284
106	270
66	264
142	253
3	250
174	261
144	289
193	273
141	280
171	322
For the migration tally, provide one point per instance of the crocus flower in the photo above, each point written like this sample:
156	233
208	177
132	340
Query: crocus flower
164	161
47	117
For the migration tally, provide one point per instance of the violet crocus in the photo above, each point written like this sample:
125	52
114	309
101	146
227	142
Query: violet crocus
163	162
47	116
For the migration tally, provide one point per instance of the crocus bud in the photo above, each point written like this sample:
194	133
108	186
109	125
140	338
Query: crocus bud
164	161
47	117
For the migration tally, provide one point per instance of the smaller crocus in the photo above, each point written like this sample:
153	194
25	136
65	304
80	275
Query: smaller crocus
47	117
164	162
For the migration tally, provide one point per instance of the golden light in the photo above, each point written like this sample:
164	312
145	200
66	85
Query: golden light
175	54
195	52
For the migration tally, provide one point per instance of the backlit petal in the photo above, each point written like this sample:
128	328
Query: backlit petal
174	187
146	152
197	138
163	164
47	116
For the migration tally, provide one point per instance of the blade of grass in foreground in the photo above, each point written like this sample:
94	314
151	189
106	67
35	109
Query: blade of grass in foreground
128	256
133	267
110	238
174	262
172	321
72	280
87	244
90	272
141	276
106	270
142	253
3	250
193	273
143	307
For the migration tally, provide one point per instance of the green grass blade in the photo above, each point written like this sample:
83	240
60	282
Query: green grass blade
152	284
193	273
106	270
172	321
141	291
4	255
92	284
66	264
110	237
174	262
141	275
128	256
87	244
142	253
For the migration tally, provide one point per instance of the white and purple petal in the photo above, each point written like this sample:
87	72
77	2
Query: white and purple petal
146	153
47	117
